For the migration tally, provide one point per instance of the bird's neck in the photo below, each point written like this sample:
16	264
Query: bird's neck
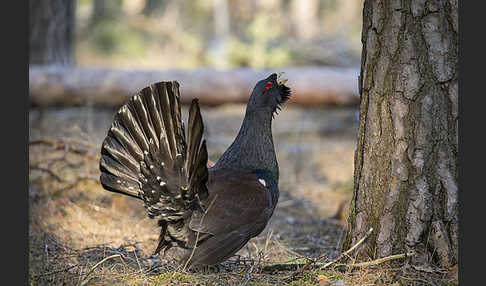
253	147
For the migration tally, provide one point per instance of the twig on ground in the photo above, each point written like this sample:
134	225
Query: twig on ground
295	266
300	267
248	275
378	261
197	234
349	250
87	279
291	251
267	240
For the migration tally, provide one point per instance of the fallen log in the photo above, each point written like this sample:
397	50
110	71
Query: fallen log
74	86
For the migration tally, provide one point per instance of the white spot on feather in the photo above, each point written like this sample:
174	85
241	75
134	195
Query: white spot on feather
262	181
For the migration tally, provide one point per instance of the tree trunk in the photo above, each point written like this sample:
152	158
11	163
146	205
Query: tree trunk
406	161
51	31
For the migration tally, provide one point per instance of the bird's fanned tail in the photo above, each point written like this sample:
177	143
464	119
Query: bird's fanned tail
146	155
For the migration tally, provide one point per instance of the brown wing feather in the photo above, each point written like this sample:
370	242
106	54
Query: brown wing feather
217	248
239	200
237	209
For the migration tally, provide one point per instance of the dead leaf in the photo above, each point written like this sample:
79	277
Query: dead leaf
323	280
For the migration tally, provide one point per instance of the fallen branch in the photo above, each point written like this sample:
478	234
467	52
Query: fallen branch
377	261
74	86
294	266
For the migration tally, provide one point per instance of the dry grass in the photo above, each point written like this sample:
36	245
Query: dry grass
74	224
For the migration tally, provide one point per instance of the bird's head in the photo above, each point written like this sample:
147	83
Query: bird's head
269	94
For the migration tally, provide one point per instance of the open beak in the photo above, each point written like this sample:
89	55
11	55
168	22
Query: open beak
281	81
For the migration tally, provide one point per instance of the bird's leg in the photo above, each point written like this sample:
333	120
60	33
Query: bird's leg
249	253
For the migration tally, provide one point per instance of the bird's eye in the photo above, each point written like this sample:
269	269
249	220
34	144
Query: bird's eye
267	86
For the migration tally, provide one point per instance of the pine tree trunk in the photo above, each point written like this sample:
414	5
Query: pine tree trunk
51	31
406	161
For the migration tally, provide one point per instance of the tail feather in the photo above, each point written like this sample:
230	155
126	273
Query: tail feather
194	125
121	135
196	159
145	155
121	155
114	184
199	174
170	111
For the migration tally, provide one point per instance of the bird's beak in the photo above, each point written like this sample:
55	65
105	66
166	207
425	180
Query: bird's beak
281	81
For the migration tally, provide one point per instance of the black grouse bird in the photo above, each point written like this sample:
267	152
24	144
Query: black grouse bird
212	212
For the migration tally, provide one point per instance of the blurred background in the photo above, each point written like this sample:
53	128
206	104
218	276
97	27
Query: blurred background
184	34
88	56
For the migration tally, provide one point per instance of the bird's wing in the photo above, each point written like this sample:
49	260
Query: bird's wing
238	201
237	209
217	248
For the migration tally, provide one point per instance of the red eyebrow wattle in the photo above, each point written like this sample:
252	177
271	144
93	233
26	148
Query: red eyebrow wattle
269	83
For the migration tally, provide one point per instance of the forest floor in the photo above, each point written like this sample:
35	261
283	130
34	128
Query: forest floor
80	234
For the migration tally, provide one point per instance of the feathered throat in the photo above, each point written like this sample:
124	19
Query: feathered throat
285	95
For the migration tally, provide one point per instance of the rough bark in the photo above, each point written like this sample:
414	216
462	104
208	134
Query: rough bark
51	31
406	161
65	86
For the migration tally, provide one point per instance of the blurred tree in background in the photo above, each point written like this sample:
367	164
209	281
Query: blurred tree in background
51	31
217	33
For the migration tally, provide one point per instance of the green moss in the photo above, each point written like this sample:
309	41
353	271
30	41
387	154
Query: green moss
308	278
171	277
